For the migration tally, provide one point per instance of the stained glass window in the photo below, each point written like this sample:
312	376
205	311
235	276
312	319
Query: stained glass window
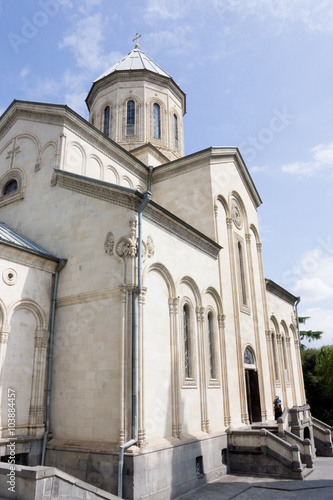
157	121
186	341
130	123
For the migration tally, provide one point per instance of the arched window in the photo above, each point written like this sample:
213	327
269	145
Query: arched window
248	356
11	186
157	121
107	121
242	275
211	346
186	327
130	122
175	130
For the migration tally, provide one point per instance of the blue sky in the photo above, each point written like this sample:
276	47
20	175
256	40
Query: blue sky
258	74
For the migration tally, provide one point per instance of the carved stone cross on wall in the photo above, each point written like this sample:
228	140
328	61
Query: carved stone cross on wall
11	154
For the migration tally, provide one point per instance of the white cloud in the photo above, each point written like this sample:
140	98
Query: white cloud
176	40
312	290
169	9
25	71
312	277
316	15
322	158
85	41
319	320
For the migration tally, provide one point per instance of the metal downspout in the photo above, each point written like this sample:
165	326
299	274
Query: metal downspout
298	300
135	294
61	264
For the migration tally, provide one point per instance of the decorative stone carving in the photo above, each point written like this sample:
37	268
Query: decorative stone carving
236	214
269	334
127	247
150	247
227	421
4	337
109	243
229	222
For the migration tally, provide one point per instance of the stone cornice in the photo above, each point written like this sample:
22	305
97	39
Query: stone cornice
280	292
167	220
131	199
209	156
135	76
63	116
22	256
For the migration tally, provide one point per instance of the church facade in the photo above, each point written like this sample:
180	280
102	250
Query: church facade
136	319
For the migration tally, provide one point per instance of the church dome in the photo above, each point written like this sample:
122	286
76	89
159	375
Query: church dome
135	60
138	105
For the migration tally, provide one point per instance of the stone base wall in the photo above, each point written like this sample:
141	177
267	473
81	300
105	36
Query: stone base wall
262	465
157	474
168	472
96	468
27	451
47	483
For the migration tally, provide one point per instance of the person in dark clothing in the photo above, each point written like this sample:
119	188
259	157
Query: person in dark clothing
277	407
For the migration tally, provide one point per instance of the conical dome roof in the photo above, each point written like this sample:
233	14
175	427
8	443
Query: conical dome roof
135	60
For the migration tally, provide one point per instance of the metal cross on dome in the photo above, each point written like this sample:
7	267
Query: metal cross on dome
137	36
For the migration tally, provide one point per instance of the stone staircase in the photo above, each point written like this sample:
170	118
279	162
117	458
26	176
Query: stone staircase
262	453
47	483
285	448
323	434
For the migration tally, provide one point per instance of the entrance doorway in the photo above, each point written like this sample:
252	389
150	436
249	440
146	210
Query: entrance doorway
252	386
253	396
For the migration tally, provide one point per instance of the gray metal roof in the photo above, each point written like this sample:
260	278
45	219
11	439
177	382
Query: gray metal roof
135	60
11	237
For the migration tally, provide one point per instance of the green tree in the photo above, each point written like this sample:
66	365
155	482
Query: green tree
324	368
318	381
308	334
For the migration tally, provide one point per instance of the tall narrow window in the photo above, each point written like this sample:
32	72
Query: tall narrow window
211	346
157	121
242	275
276	366
175	130
107	121
285	359
130	122
186	341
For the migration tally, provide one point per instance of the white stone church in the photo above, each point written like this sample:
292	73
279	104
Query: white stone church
139	335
